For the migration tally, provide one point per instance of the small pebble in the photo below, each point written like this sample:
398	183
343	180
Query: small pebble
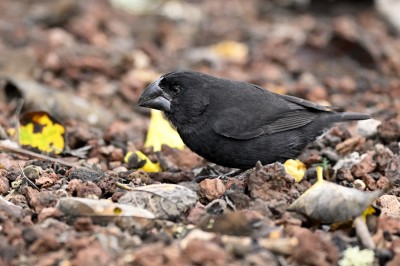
359	184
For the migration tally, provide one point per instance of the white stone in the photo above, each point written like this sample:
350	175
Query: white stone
368	128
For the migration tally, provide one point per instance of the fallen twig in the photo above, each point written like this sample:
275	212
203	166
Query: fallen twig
124	186
31	154
363	233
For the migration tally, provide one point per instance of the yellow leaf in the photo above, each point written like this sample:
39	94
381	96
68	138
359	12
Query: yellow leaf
295	168
368	211
138	160
40	131
161	132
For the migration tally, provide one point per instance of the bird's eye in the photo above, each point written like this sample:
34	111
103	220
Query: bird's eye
176	89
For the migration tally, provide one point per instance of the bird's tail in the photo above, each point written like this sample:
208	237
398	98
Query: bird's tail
349	116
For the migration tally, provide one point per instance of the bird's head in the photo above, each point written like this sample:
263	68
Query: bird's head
182	95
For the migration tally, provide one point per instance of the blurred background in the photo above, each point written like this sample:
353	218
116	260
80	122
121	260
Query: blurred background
57	53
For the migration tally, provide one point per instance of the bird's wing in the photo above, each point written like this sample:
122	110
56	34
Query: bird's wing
289	113
240	129
306	104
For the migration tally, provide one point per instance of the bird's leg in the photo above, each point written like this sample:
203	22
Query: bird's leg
235	172
206	172
217	174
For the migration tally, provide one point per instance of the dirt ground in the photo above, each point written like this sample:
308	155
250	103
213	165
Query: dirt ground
87	62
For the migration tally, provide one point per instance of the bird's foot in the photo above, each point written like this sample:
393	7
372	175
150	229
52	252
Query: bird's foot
216	174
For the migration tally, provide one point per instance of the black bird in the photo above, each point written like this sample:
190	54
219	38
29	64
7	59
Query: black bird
236	124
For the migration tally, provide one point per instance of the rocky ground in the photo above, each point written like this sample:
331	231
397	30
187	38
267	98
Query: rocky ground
87	62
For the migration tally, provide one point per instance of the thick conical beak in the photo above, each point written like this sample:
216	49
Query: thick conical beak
154	97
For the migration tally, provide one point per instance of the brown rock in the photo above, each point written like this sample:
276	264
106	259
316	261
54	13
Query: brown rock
369	182
117	195
117	155
276	207
390	205
31	234
4	185
366	166
32	196
341	132
76	244
115	164
212	189
270	182
39	200
239	223
49	212
382	156
314	249
350	144
138	177
383	182
157	255
168	177
235	184
389	130
196	213
389	224
262	257
107	184
205	253
106	150
392	171
83	224
45	243
33	172
9	210
344	174
183	159
310	157
19	200
46	180
86	175
238	198
149	255
92	255
52	258
83	189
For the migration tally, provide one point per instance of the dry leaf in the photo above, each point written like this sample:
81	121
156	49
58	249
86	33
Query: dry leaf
137	160
328	202
296	169
91	207
166	201
161	132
